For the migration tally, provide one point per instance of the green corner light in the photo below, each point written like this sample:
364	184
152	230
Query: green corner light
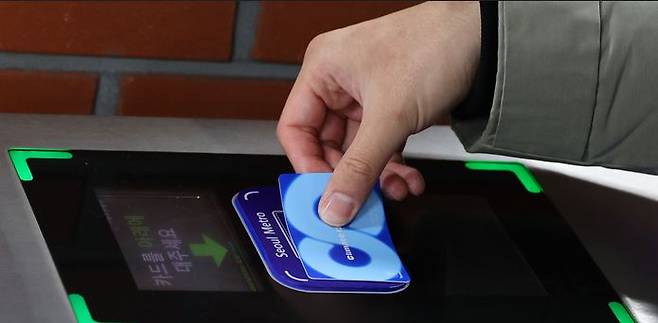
521	172
620	312
19	157
80	309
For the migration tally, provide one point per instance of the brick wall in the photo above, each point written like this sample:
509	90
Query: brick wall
220	59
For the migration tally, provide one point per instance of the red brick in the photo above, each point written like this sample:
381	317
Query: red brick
164	29
198	96
286	27
47	92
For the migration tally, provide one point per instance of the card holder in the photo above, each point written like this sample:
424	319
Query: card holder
262	215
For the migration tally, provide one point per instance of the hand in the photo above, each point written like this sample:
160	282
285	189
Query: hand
362	90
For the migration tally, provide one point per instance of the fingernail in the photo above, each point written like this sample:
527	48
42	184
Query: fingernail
338	209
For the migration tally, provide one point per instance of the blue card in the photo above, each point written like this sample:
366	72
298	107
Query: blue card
361	251
261	214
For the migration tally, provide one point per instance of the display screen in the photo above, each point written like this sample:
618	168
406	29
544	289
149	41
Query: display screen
176	240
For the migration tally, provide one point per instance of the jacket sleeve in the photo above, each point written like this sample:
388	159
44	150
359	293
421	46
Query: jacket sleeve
575	82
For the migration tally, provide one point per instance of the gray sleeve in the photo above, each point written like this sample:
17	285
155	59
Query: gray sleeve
576	82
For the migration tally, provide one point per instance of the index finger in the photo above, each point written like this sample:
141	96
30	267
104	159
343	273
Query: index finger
300	126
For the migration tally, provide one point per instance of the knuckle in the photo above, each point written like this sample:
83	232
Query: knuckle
412	176
315	45
359	166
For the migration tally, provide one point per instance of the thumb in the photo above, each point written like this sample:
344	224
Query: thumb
359	168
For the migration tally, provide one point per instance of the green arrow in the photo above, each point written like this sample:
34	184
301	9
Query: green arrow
209	248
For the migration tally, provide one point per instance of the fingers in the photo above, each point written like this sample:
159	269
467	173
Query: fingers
332	156
411	177
351	127
374	144
398	180
332	133
393	186
313	117
299	129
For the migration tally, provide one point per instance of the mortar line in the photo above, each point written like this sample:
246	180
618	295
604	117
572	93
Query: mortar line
107	95
246	20
117	65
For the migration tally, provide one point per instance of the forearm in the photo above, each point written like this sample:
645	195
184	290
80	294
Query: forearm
578	91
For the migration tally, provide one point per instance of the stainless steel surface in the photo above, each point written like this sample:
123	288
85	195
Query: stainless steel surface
32	291
619	230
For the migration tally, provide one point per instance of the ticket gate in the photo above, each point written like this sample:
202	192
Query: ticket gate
484	243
